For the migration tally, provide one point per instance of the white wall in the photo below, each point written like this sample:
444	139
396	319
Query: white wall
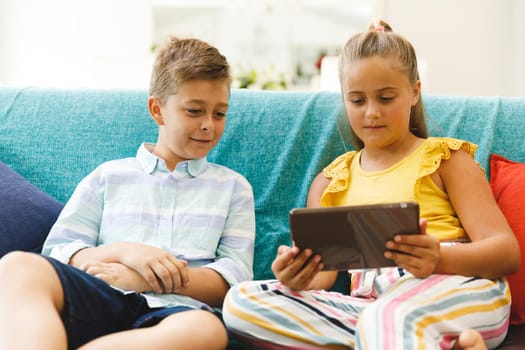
469	47
466	47
75	43
259	34
517	59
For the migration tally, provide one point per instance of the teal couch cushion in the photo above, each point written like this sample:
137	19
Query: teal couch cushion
279	140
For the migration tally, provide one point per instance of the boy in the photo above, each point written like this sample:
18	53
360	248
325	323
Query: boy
146	247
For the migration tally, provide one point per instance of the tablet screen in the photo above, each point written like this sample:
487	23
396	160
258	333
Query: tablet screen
352	237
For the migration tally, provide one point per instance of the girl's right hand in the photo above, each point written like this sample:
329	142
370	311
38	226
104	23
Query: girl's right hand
296	269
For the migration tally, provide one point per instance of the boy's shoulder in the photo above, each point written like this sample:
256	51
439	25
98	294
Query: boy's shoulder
227	173
114	165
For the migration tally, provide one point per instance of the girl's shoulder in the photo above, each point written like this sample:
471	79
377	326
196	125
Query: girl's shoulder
339	164
442	146
437	149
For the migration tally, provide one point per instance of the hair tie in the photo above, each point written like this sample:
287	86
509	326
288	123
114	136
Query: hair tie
379	28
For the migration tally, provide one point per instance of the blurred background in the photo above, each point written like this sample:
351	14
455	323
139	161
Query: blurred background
468	47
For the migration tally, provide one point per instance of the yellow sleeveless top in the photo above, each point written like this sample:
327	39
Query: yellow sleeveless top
408	180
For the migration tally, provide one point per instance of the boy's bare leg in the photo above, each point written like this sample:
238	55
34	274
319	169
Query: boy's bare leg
470	340
30	297
196	329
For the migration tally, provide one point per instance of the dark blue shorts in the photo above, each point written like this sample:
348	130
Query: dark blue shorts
92	308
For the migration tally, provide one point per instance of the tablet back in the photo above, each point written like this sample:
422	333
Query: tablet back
352	237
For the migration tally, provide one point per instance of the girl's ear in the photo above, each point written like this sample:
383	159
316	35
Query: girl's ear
416	92
154	105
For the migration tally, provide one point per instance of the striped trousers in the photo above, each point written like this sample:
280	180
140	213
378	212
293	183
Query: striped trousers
387	309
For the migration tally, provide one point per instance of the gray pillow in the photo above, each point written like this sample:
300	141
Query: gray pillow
26	213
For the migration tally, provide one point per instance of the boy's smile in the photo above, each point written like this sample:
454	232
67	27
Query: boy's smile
191	121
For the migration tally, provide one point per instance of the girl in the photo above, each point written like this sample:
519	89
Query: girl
447	280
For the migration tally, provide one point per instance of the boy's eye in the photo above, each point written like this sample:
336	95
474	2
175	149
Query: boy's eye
220	114
193	111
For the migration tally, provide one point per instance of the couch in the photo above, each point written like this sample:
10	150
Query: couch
279	140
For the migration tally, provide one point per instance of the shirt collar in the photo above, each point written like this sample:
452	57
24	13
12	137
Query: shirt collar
150	163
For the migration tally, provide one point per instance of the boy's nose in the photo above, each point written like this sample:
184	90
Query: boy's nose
206	124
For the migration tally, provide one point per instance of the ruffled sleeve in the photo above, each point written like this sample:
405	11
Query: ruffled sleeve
438	149
435	149
435	205
339	174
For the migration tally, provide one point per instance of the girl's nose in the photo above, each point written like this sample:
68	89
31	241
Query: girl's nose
372	112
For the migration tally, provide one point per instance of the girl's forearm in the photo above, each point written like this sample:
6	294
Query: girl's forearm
487	258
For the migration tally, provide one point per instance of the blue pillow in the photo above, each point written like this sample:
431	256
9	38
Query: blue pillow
26	213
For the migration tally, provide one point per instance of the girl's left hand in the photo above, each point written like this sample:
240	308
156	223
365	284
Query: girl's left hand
419	254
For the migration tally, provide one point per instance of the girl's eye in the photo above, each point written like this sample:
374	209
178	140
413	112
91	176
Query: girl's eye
356	101
386	98
220	115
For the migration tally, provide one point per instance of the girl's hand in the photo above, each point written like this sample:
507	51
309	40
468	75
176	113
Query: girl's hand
296	269
419	254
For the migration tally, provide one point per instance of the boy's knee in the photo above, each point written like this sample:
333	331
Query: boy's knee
206	329
25	270
212	328
217	332
12	262
29	276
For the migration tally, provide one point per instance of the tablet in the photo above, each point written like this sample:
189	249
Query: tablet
352	237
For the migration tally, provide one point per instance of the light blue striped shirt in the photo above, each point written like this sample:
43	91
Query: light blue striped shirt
201	212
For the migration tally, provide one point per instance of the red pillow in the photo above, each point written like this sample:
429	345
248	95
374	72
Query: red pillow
507	180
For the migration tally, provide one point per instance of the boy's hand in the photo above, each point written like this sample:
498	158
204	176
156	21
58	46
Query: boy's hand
419	254
163	272
296	269
118	275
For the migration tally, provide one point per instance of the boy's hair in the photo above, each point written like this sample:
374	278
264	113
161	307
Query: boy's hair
181	60
381	41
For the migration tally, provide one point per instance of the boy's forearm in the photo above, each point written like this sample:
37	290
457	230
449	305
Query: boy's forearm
106	253
206	285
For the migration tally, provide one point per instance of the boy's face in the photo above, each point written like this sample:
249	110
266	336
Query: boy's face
191	122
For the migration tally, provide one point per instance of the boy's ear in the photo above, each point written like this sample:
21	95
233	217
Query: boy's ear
154	110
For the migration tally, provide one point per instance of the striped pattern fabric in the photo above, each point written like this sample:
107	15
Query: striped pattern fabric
201	212
397	312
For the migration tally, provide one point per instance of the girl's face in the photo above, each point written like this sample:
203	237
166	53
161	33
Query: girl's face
378	98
